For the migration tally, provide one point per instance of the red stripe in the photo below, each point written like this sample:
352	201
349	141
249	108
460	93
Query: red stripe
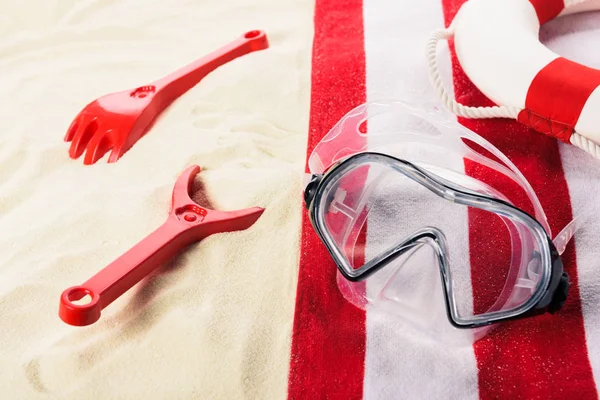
537	358
328	342
557	96
547	9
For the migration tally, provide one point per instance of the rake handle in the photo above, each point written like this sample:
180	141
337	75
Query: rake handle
180	81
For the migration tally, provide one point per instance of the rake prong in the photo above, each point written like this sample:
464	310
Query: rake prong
83	134
100	144
73	128
115	154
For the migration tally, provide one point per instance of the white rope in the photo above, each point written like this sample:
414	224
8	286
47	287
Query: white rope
571	3
585	144
457	108
461	110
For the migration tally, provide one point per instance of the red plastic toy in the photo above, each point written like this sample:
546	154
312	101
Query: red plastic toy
187	223
118	120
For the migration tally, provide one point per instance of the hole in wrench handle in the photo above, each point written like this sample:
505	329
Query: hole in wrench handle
79	314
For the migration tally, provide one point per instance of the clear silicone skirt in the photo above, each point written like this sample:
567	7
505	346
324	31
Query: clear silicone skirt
431	224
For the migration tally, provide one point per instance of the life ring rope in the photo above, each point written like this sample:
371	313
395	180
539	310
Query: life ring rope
585	144
457	108
461	110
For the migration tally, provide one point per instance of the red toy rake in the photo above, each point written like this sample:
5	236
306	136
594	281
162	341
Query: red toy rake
187	223
118	120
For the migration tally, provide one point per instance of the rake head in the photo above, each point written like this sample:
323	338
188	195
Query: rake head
111	123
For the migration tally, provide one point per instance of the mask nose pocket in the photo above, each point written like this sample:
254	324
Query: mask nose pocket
413	288
410	286
404	286
414	291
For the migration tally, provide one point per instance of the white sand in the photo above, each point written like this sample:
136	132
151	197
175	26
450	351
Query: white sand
217	323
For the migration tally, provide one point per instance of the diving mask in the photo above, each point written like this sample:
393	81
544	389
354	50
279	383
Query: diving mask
400	206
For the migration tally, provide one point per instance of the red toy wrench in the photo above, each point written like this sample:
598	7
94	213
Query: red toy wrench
187	223
117	121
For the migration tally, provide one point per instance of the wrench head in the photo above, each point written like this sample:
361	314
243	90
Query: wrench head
206	221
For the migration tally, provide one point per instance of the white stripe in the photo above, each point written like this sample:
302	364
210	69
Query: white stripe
582	173
583	177
399	363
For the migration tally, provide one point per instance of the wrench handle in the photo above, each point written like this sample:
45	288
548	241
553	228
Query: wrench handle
123	273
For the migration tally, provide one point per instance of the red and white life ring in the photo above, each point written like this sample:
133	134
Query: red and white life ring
497	45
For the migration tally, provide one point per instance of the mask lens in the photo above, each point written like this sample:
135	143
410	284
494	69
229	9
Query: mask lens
373	206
